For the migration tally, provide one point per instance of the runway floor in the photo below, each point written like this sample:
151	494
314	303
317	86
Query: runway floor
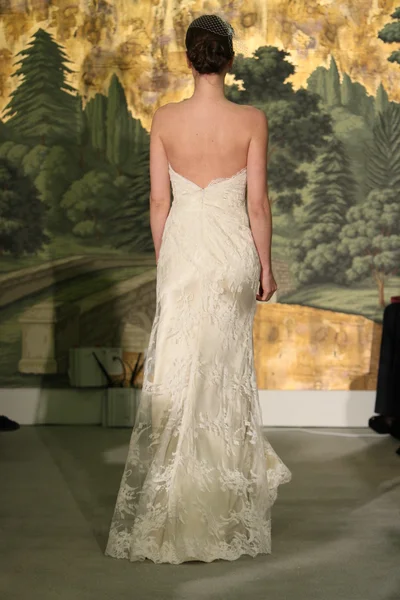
336	526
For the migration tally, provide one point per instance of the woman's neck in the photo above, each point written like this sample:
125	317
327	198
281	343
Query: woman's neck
210	88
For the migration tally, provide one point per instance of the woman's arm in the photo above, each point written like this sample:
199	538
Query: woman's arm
160	193
258	204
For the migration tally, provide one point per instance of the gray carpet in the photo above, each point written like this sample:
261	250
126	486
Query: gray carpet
336	528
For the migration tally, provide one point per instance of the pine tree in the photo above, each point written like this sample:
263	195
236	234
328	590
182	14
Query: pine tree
22	214
391	34
333	85
83	132
96	110
42	107
381	100
82	124
384	153
371	235
367	107
121	142
316	258
347	94
131	219
117	123
332	187
4	132
138	137
317	82
361	103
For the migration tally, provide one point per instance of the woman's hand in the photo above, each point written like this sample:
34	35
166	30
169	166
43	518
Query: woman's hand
267	285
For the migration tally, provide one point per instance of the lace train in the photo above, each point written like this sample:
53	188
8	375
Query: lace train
200	479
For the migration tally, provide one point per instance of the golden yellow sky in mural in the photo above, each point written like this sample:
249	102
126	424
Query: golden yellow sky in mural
143	41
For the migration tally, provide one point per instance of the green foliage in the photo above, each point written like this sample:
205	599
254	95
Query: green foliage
131	218
316	82
347	94
390	34
59	169
21	213
354	97
315	255
381	100
364	103
353	123
371	238
82	125
139	140
352	130
326	83
4	132
13	152
89	204
62	140
333	85
332	191
395	57
117	123
51	169
264	76
113	133
42	108
297	127
34	159
350	94
384	151
96	114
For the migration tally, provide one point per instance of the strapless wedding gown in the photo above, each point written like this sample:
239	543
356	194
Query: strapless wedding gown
200	478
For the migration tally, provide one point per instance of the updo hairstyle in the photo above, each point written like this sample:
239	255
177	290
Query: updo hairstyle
208	51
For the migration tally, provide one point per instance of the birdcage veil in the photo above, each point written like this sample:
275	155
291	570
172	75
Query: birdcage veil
216	24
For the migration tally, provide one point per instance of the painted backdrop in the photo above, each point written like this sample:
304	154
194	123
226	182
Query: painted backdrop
79	82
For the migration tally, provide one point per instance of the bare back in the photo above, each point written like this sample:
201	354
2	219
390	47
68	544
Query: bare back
206	140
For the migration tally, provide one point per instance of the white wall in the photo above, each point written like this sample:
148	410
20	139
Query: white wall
279	408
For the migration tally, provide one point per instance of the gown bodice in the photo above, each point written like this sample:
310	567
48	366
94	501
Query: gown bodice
226	193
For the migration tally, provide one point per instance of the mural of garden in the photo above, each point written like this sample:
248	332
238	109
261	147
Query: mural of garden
76	253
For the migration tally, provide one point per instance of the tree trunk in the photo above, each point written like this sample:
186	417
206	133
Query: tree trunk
381	289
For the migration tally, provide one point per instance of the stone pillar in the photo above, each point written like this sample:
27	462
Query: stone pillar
136	332
49	330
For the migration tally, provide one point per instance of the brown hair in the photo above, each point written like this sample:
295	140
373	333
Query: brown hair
208	52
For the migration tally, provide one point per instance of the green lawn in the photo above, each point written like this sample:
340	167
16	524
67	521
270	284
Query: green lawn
359	299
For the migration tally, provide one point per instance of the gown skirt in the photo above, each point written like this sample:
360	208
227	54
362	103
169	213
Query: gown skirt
200	478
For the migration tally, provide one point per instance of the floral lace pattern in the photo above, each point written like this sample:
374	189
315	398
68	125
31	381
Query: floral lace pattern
200	479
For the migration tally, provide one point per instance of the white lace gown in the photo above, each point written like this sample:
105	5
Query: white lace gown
200	478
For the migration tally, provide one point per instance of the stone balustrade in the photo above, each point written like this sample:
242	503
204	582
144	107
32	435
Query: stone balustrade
120	314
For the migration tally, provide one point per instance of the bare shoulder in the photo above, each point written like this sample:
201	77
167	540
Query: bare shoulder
255	118
159	115
164	114
171	106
